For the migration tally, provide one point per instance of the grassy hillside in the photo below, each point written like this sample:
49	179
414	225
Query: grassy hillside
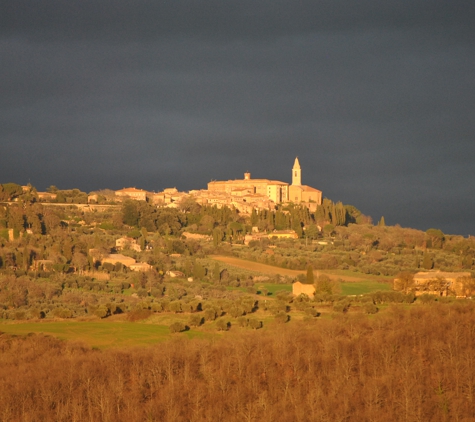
99	334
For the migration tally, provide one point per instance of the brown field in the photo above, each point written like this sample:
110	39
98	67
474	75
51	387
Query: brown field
269	269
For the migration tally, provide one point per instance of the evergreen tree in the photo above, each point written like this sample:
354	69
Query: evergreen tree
319	215
428	262
199	271
297	227
217	236
26	258
436	238
9	191
332	214
130	214
216	271
310	279
312	231
339	217
254	217
280	220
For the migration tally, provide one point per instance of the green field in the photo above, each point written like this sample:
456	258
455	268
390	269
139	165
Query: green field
100	334
361	288
273	288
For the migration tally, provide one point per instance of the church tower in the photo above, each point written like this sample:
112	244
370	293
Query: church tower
296	173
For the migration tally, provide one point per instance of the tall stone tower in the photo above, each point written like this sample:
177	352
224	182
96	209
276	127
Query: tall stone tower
296	173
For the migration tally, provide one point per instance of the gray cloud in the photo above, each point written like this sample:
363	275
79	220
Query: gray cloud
87	19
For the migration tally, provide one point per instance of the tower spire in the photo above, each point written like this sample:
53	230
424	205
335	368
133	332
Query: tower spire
296	173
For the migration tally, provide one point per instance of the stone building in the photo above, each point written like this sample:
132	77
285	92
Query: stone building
132	193
283	234
276	191
245	194
302	193
299	288
140	266
46	196
443	283
113	258
169	197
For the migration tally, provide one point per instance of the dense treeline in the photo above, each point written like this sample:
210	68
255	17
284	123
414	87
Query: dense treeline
141	295
402	365
378	250
10	191
25	298
66	236
27	213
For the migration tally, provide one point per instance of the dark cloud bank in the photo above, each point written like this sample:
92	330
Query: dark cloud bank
376	98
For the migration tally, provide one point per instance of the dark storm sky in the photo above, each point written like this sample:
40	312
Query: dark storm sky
376	98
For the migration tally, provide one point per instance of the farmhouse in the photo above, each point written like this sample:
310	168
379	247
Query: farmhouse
283	234
140	266
113	258
46	196
299	288
440	283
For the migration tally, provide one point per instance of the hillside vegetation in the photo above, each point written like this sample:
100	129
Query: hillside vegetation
53	260
401	365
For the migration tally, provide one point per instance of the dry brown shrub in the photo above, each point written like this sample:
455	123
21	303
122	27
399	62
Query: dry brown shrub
398	365
138	314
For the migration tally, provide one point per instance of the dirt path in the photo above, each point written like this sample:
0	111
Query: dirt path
269	269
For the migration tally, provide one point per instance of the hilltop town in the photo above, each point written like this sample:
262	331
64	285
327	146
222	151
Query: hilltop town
244	195
131	230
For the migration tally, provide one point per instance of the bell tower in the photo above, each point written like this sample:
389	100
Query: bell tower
296	173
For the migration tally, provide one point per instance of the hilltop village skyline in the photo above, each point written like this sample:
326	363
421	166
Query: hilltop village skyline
243	194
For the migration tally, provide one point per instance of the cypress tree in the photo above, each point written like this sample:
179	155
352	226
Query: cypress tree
428	262
254	217
216	271
310	278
